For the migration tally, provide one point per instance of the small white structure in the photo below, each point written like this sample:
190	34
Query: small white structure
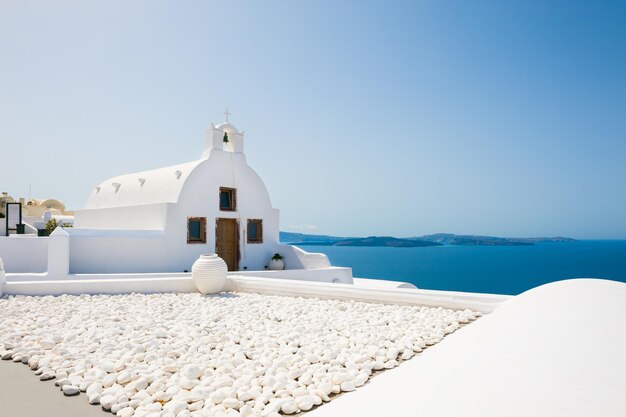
162	220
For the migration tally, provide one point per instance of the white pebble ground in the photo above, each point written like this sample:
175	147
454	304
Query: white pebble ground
236	354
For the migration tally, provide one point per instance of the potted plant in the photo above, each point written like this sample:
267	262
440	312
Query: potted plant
277	263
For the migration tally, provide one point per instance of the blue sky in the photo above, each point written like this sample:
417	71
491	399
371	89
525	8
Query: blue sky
394	118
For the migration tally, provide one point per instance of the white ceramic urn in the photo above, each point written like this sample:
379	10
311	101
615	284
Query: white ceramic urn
209	273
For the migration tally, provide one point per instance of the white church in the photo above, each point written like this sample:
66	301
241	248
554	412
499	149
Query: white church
162	220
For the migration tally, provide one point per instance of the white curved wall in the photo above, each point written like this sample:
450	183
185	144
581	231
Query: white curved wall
296	258
556	350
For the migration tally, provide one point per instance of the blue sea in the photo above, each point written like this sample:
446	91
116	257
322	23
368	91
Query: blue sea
491	269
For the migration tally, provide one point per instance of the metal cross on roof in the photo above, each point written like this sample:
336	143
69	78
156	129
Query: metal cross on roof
226	113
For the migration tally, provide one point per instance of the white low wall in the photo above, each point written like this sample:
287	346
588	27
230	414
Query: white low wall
485	303
381	283
159	283
24	253
333	274
109	253
112	251
94	284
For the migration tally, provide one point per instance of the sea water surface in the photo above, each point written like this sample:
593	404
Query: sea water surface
491	269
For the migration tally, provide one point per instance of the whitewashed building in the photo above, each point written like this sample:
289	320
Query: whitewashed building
162	220
137	226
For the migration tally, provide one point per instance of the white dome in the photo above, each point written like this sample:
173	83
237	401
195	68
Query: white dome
161	185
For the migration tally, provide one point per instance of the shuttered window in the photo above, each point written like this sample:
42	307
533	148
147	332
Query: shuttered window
196	230
255	231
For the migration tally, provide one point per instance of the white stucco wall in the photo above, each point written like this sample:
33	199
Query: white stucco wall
140	217
119	251
24	253
200	197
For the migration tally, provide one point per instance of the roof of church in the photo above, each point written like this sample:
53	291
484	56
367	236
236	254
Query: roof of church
161	185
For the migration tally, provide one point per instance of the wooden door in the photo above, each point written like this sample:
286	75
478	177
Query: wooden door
227	242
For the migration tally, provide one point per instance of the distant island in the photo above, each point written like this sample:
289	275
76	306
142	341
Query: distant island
437	239
388	241
472	240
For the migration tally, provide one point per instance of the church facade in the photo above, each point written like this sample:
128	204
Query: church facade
162	220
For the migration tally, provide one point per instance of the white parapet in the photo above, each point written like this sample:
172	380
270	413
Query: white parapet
484	303
333	274
76	284
296	258
24	253
39	284
59	254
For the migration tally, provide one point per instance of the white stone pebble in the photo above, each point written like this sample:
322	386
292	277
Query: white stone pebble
93	398
236	354
289	407
306	402
107	401
70	390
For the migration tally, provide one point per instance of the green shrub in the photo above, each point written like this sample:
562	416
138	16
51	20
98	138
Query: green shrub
50	226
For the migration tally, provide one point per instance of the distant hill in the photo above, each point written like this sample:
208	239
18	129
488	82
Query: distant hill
411	242
325	240
452	239
385	241
288	237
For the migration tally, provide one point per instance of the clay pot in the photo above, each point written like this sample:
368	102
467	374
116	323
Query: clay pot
277	264
209	273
